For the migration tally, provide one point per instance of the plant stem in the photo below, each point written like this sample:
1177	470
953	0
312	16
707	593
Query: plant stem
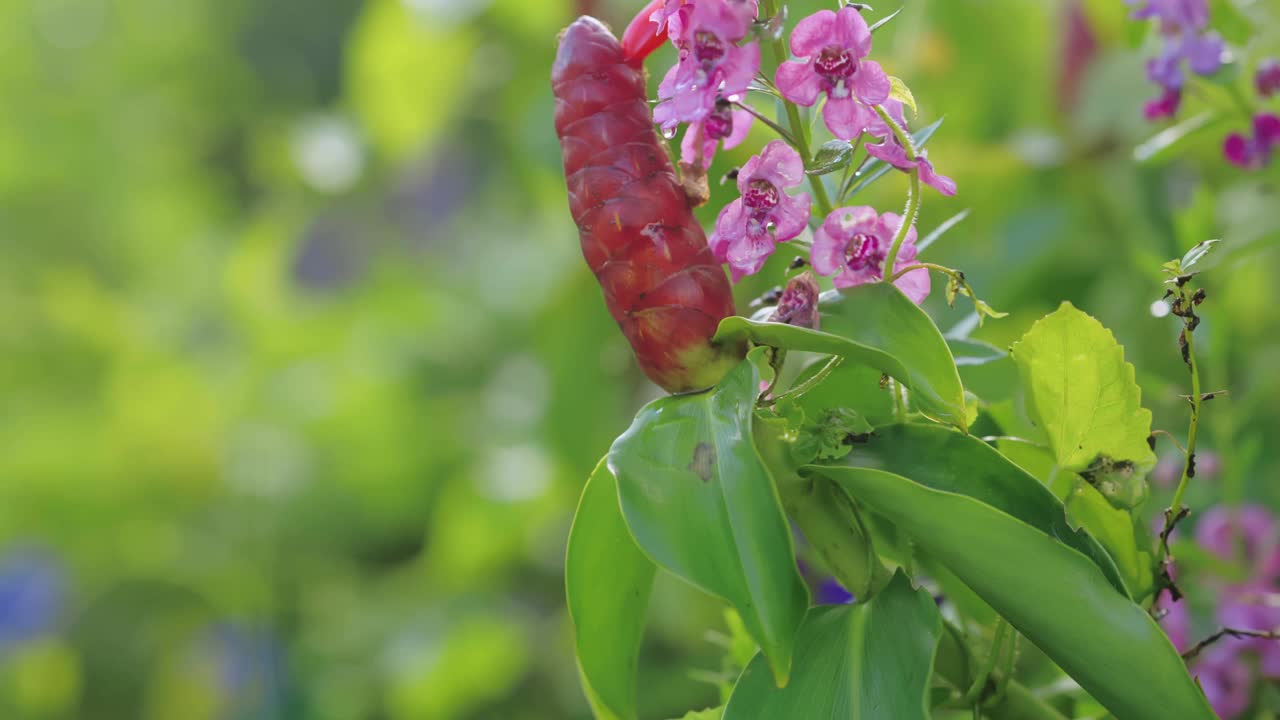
812	382
772	125
913	192
1193	430
769	8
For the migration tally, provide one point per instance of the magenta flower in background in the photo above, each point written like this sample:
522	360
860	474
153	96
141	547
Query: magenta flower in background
798	304
1253	152
1267	79
711	64
853	243
749	228
892	152
724	123
1176	621
1246	533
1253	607
832	47
1226	680
1187	40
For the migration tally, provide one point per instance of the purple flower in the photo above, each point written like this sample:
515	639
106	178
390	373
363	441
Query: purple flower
852	244
748	228
711	64
892	152
1183	24
1246	533
1226	680
1165	106
1176	621
830	592
1267	79
32	592
745	10
1252	607
798	304
831	47
1253	153
724	123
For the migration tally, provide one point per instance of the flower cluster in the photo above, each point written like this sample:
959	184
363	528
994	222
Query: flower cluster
1246	537
1184	29
718	63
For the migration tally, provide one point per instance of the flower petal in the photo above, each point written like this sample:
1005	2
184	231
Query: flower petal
845	117
891	152
739	67
1203	53
791	216
742	120
852	31
779	164
798	83
814	33
1238	150
827	253
870	83
941	183
915	284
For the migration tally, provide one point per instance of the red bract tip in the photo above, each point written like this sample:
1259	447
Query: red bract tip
643	36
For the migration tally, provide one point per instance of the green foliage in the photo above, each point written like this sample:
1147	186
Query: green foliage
869	660
1084	395
607	586
700	501
1050	592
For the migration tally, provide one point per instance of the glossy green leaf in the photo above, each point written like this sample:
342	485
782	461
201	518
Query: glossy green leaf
877	326
708	714
700	501
852	661
832	156
946	460
1055	596
1083	393
607	584
850	385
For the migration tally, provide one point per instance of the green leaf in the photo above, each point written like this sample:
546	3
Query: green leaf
850	385
1055	596
708	714
1083	393
832	156
1114	529
1165	143
852	661
607	584
943	459
877	326
1232	24
899	91
700	501
1196	254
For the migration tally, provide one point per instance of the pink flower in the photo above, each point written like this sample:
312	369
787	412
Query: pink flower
1246	533
1176	621
745	10
724	123
892	152
1267	79
748	228
1165	106
1248	608
831	47
798	304
711	64
1253	153
1226	681
853	243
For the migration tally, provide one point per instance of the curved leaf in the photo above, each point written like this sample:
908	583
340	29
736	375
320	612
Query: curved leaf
607	584
1052	594
1083	393
700	502
874	325
852	661
946	460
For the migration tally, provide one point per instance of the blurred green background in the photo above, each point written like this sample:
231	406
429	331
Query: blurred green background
301	372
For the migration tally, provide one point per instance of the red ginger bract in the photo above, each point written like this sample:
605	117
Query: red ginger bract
639	236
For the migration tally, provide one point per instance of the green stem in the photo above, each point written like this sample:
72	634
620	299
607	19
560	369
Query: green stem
899	404
974	693
833	526
769	8
1176	507
913	193
812	382
954	664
